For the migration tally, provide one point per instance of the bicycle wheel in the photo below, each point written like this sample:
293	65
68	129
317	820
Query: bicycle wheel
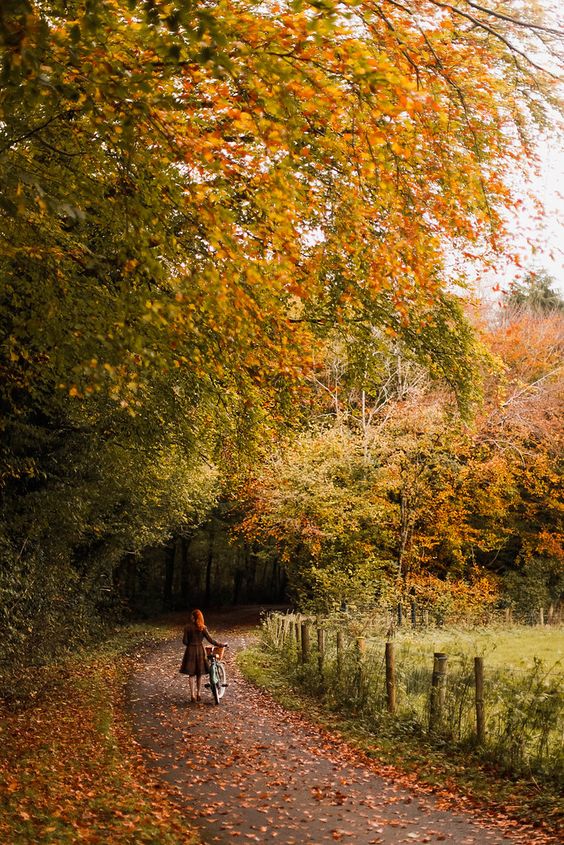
221	680
214	681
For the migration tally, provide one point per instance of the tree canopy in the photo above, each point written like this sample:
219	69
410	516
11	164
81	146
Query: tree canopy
199	188
390	493
193	198
536	292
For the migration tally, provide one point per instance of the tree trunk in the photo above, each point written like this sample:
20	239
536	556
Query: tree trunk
237	578
251	573
168	575
274	580
209	563
185	572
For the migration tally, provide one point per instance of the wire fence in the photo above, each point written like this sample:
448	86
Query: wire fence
509	715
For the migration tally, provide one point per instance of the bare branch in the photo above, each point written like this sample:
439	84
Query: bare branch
441	4
32	132
526	24
533	384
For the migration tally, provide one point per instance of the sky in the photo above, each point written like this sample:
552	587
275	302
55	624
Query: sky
548	231
548	186
538	239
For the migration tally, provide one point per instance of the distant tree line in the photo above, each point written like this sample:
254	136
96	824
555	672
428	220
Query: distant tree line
207	567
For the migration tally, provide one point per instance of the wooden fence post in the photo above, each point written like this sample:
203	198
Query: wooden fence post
340	650
297	634
400	614
390	678
414	614
360	655
438	690
305	642
480	712
320	649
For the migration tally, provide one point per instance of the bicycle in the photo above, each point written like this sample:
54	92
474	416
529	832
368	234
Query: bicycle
218	676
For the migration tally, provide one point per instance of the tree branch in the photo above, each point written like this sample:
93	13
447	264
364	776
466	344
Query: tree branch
33	131
525	24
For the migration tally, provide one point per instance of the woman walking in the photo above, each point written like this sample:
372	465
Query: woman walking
194	663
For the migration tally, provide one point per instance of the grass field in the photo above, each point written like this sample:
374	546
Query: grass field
523	696
516	647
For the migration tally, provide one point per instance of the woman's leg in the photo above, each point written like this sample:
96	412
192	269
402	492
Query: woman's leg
198	686
191	684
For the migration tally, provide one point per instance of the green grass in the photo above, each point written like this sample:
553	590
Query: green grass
517	647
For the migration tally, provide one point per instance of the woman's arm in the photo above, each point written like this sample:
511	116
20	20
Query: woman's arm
210	640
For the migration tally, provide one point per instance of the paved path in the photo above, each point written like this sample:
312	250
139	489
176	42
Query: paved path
250	771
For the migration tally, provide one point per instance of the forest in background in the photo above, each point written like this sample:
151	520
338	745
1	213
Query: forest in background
389	496
226	237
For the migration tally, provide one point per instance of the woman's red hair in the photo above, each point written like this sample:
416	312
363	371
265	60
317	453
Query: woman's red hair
198	619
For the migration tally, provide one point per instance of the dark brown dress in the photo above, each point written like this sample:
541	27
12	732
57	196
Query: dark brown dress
194	661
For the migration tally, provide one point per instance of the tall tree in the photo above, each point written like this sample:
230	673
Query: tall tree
194	187
535	293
